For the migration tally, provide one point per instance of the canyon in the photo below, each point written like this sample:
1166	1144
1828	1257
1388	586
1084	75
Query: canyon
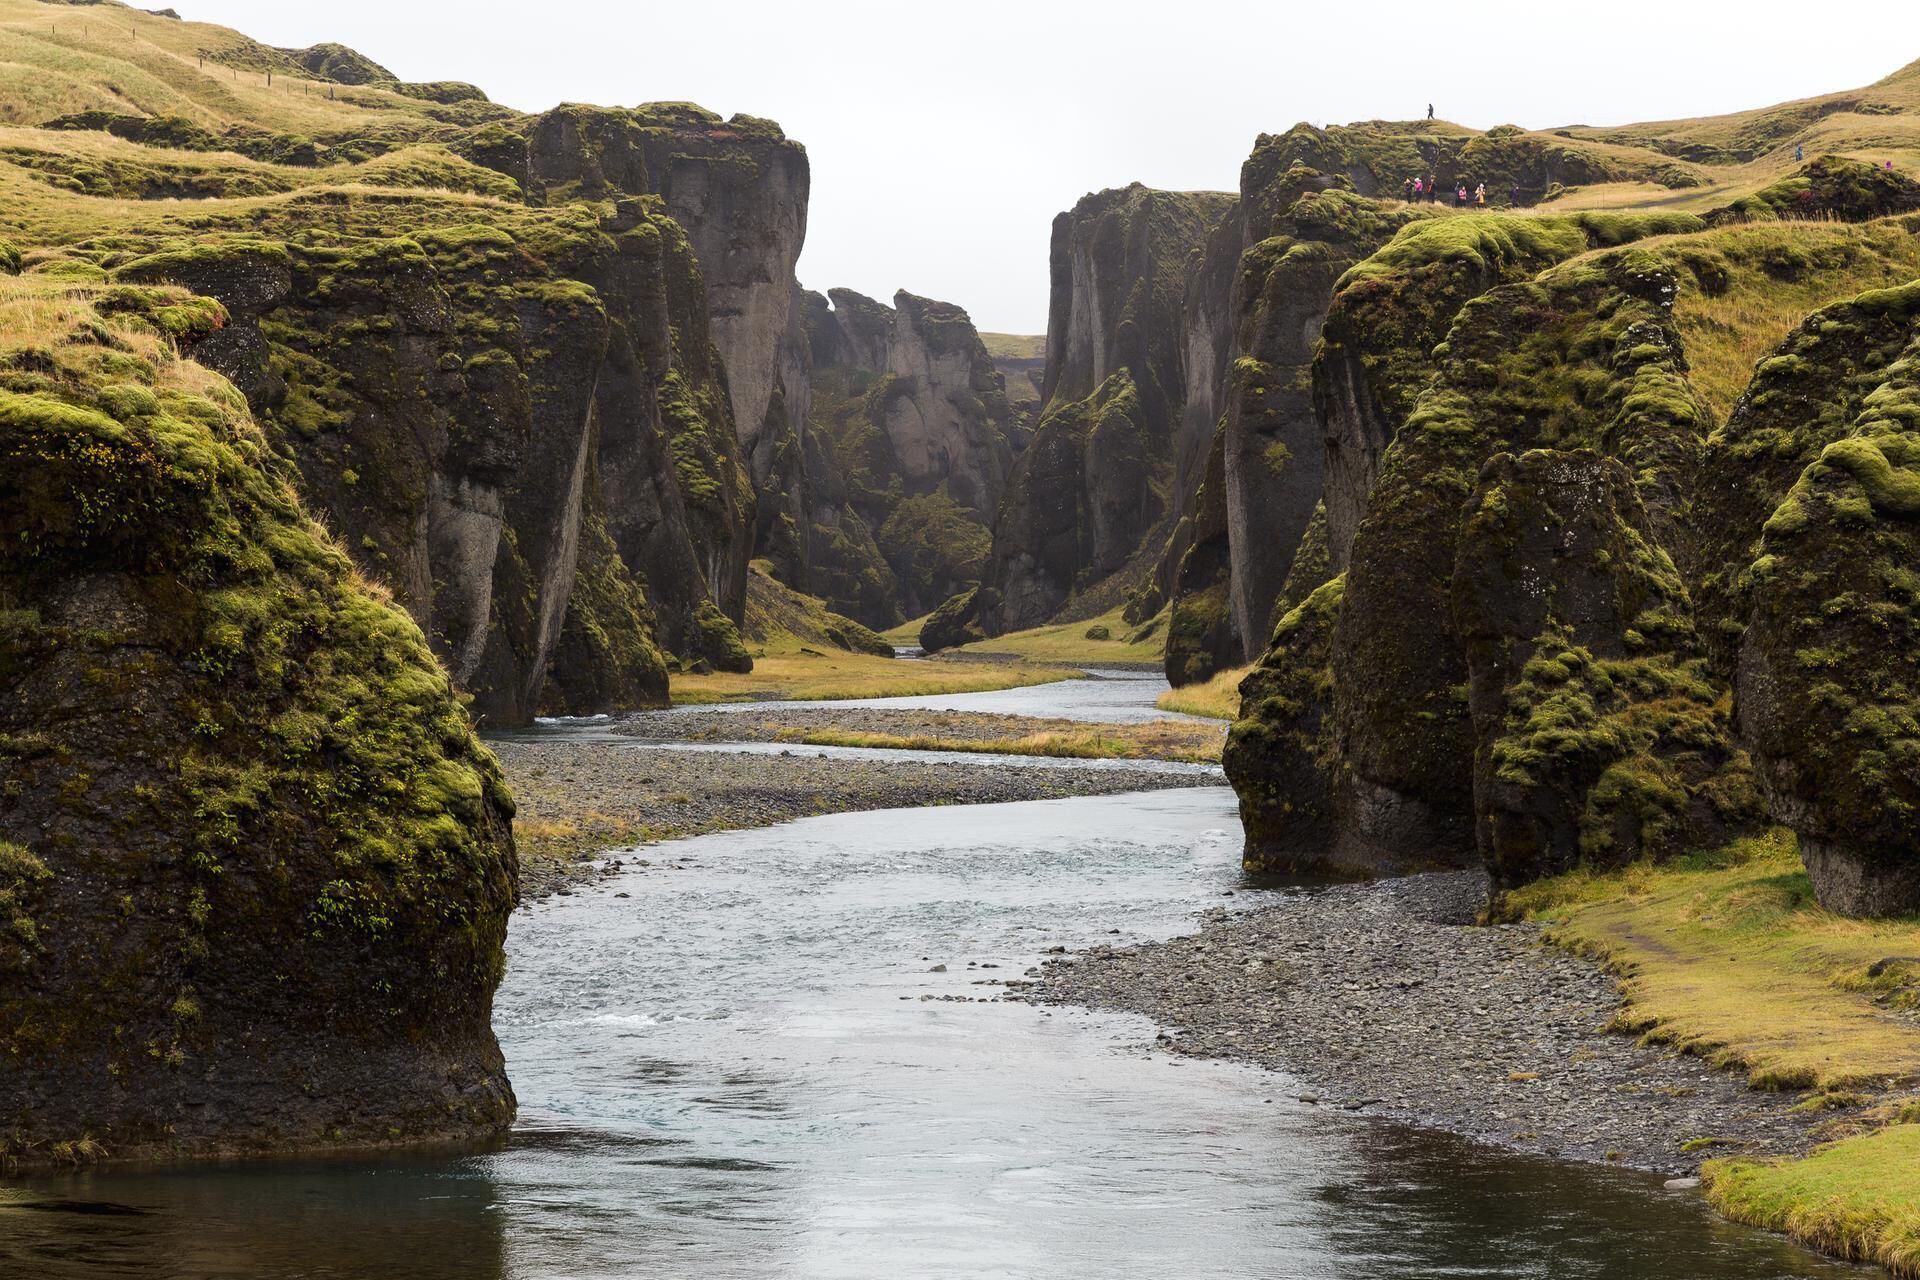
1561	536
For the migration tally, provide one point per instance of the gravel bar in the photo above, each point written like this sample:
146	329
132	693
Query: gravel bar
1384	998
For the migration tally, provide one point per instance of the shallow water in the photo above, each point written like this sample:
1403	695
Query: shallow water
1105	697
736	1072
719	1076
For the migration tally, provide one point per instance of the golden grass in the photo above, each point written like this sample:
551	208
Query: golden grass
1015	346
1157	740
32	311
1728	956
1068	642
1858	1198
57	60
837	676
1727	335
908	632
1218	698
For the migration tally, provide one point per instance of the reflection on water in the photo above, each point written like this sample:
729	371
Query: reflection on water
737	1071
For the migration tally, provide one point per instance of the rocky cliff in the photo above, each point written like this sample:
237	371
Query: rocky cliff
492	412
1092	494
1556	569
909	452
1297	426
581	381
255	869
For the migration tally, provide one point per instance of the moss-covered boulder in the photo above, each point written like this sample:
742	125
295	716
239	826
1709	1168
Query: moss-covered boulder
957	620
1586	356
1806	395
1598	737
1831	188
255	868
1281	755
1828	687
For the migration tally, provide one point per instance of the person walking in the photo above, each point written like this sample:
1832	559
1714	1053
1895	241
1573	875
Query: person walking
1799	153
1406	191
1460	196
1429	111
1418	191
1480	195
1433	189
1513	196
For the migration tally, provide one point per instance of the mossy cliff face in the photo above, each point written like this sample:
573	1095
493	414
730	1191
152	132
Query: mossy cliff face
1828	679
739	187
1282	756
1274	460
1389	312
1092	493
466	402
1643	632
1584	357
255	869
1598	737
907	457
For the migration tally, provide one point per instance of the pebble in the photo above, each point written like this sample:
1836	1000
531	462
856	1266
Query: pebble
1388	996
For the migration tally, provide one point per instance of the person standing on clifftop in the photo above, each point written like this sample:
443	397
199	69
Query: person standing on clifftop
1429	111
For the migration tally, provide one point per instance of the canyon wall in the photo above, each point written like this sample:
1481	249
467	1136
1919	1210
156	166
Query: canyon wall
910	447
255	868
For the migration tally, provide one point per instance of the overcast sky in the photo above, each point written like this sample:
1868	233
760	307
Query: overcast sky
945	137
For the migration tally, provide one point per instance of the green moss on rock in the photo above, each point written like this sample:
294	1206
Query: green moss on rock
1829	668
279	864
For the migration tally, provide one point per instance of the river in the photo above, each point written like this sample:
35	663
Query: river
744	1062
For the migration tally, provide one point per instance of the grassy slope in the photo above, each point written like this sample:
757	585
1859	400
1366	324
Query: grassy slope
1015	346
58	60
1728	956
1218	698
907	633
1828	123
1068	642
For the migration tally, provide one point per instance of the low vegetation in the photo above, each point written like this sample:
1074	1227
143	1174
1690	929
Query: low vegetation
1727	955
1108	638
1217	699
1858	1198
832	677
1158	740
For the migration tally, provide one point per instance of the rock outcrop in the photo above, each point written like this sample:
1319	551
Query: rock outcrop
255	868
488	410
908	456
1828	677
1598	738
1092	492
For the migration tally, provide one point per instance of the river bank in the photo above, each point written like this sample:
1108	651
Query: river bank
577	800
921	729
1384	998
